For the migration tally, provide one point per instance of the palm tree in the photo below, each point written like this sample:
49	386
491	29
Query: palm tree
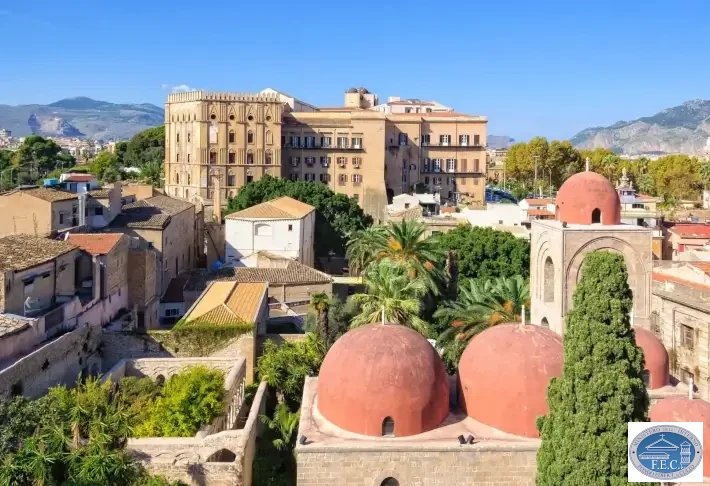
402	243
321	304
705	174
285	423
481	305
393	296
645	184
152	173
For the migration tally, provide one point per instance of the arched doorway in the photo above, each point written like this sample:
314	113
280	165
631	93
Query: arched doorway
390	195
596	216
388	427
389	482
544	323
548	292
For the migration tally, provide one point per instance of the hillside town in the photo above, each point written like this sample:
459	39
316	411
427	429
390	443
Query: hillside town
364	294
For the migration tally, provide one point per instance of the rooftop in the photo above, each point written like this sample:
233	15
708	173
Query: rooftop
80	178
18	252
225	303
95	243
539	201
173	293
11	324
151	213
46	194
691	230
282	208
100	193
289	272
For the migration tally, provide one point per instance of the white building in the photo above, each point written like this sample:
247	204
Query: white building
283	226
532	209
396	105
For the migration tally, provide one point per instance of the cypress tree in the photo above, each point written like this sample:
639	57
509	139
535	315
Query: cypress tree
584	436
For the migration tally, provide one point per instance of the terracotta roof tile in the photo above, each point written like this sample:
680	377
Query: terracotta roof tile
703	266
661	277
12	324
50	195
151	213
95	243
691	230
80	178
540	212
539	202
174	292
100	193
18	252
225	303
282	208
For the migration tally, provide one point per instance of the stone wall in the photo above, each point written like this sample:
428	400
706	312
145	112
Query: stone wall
58	362
412	467
116	346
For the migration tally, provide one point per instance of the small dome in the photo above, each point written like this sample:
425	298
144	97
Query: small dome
504	373
586	198
656	357
352	90
380	374
363	91
679	409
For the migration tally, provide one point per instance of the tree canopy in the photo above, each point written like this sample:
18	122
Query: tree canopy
584	436
145	147
337	216
485	252
38	156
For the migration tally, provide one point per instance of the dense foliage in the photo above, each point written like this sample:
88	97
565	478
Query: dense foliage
337	216
584	436
145	147
486	253
69	437
201	339
339	316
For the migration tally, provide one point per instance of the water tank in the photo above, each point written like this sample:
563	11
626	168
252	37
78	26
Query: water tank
51	182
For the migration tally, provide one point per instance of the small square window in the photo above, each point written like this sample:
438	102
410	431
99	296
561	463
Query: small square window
99	211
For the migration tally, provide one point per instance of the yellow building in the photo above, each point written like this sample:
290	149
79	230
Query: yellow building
356	150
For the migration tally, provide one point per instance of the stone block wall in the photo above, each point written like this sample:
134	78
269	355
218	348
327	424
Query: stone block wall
417	467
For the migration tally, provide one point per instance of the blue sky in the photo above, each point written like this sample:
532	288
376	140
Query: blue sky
550	67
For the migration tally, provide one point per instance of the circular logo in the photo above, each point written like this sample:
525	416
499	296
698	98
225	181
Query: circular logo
665	452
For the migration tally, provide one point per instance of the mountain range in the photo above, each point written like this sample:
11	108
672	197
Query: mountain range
681	129
499	141
81	117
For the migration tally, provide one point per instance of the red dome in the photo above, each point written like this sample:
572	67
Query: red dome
678	409
380	371
656	358
585	193
504	373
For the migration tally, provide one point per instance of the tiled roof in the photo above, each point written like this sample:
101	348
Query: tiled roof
173	293
50	195
662	277
540	212
18	252
539	202
151	213
282	208
169	205
225	303
691	230
292	273
100	193
11	324
95	243
702	266
80	178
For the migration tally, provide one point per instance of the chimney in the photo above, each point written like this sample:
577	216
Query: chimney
217	200
586	163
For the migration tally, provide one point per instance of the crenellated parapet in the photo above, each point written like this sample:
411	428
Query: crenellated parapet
222	96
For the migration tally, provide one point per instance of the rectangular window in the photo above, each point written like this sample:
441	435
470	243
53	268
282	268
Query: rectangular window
425	140
231	137
310	142
477	140
463	140
436	165
444	140
230	181
290	227
310	177
342	179
450	165
342	161
403	139
99	211
475	181
437	181
357	142
476	168
232	158
295	161
283	140
687	336
213	157
356	162
325	161
357	179
342	142
425	165
188	158
686	376
61	218
177	158
463	181
250	158
250	179
426	180
325	178
294	176
464	165
325	141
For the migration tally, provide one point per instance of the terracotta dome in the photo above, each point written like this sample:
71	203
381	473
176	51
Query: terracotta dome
504	373
656	358
378	374
678	409
586	198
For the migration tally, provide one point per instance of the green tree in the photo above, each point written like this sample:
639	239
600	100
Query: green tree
485	252
102	163
704	174
480	305
392	296
120	151
563	160
676	175
584	436
321	304
337	216
40	156
339	316
5	159
153	173
145	147
285	424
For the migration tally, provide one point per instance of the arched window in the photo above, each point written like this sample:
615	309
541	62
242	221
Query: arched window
232	159
231	136
160	380
250	158
389	482
548	281
188	137
213	157
262	229
177	158
177	137
188	179
646	376
267	157
222	455
177	178
250	137
596	216
544	323
388	427
269	137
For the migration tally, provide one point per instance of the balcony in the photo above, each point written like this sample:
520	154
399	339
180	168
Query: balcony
344	148
452	145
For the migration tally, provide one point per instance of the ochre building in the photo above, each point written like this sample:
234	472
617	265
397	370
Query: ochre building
371	156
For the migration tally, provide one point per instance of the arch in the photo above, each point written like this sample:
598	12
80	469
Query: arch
231	136
596	216
646	376
177	178
390	195
250	137
268	157
262	229
160	380
177	137
231	157
250	157
389	482
188	179
548	281
388	427
544	323
213	157
269	137
222	455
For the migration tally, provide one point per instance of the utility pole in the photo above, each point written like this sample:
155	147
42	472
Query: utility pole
535	159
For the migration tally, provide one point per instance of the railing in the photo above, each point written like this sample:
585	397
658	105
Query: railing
349	148
453	145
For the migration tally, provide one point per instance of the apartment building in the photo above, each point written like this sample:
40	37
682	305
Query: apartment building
358	150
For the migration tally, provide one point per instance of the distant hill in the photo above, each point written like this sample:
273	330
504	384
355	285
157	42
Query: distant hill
499	141
81	117
681	129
